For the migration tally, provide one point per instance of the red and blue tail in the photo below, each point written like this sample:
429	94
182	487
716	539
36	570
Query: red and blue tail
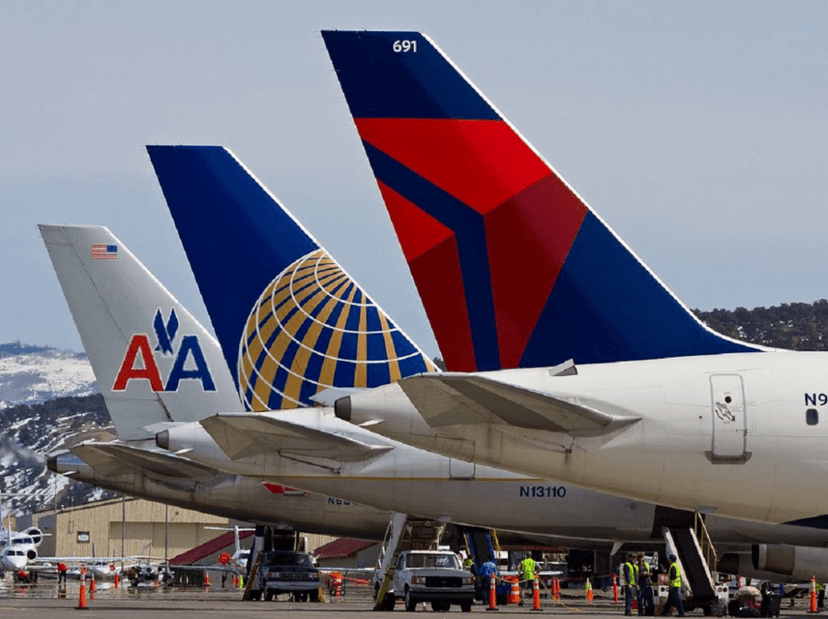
513	267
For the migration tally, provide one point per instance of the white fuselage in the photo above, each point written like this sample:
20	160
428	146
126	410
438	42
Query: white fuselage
725	434
413	481
13	559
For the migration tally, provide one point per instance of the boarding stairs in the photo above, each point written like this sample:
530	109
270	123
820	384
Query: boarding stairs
481	545
697	559
404	533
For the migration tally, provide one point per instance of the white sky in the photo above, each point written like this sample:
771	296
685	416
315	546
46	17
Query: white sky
696	130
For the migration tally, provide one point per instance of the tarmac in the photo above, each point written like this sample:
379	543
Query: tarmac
46	601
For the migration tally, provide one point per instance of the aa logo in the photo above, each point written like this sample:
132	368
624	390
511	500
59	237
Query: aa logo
140	364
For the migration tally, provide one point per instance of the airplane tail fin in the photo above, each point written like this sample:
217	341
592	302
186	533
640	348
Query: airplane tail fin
513	267
153	361
291	321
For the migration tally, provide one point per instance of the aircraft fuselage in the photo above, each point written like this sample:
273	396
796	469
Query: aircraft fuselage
738	435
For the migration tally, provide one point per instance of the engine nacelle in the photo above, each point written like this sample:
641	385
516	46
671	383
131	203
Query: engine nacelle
36	535
31	554
798	562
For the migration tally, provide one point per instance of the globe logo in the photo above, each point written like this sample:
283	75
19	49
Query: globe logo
314	328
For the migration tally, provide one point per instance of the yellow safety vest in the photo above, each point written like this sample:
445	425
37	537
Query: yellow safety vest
632	570
677	580
527	568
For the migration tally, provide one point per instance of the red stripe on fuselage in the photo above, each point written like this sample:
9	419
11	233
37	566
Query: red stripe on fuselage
480	162
528	238
416	231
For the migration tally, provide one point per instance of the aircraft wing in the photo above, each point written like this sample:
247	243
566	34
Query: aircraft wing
247	434
465	399
112	459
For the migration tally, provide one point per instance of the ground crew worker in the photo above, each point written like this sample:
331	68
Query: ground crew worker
528	567
646	603
62	569
487	571
468	564
630	578
674	596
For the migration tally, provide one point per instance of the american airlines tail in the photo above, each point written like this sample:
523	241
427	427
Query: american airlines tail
291	322
153	361
514	269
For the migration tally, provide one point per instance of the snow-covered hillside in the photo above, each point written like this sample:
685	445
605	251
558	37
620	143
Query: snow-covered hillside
30	374
48	402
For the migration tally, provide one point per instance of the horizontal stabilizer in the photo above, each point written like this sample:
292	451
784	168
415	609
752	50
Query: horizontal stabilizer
240	435
111	459
461	399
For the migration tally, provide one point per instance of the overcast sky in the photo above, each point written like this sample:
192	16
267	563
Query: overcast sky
696	130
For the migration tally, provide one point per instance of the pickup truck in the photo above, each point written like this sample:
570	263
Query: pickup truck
434	576
285	571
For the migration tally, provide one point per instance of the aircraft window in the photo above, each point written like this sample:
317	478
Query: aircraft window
812	416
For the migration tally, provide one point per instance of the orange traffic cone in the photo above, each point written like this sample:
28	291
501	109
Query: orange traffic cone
535	594
92	587
206	581
589	593
615	588
117	580
82	595
813	607
492	594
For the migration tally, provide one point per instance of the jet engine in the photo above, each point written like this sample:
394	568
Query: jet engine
798	562
36	535
778	563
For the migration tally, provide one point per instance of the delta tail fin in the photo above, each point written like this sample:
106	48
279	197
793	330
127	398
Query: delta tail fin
153	361
513	267
292	323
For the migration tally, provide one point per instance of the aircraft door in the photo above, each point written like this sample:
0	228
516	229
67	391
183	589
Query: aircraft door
729	418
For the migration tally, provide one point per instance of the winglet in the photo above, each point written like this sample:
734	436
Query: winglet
513	267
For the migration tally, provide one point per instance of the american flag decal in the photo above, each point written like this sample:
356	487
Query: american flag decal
104	252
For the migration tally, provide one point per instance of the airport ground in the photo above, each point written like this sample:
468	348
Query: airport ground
44	601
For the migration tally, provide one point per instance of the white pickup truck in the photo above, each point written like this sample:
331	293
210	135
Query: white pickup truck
434	576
